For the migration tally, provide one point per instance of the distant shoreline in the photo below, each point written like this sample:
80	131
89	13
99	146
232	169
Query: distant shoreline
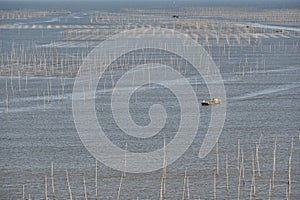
116	5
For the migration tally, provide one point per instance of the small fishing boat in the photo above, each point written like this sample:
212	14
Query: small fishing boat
210	102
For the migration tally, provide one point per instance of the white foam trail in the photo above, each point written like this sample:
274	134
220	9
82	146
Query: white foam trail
264	92
76	17
51	20
291	68
27	109
270	71
257	25
31	104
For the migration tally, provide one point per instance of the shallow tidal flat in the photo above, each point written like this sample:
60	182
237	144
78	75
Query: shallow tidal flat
256	157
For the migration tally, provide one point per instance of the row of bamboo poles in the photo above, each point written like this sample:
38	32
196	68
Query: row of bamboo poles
51	61
51	191
54	62
47	62
28	13
281	16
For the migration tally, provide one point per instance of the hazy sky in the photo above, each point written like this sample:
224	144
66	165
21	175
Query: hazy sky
276	3
169	0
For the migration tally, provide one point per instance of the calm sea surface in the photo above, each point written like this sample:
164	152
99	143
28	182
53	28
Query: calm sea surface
261	78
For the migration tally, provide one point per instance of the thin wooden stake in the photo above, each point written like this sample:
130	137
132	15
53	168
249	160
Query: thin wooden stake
84	188
254	184
274	165
6	103
238	156
37	98
184	184
218	159
120	186
227	175
164	167
161	189
6	90
96	180
44	101
69	187
242	166
123	174
253	187
289	172
270	189
46	188
188	188
125	160
257	159
52	180
19	82
23	192
239	185
215	186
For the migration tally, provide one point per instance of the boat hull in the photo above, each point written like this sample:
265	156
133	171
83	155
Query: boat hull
211	102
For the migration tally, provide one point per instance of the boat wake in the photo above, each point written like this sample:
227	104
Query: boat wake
257	25
264	92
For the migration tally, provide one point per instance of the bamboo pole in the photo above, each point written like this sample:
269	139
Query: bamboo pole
239	185
123	174
161	189
290	172
12	87
50	87
52	180
215	186
270	189
23	192
188	188
257	159
44	101
62	89
253	186
241	173
184	185
242	166
37	98
238	156
6	96
19	82
125	161
46	188
274	165
96	180
69	187
84	188
26	83
217	159
120	186
164	168
227	175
